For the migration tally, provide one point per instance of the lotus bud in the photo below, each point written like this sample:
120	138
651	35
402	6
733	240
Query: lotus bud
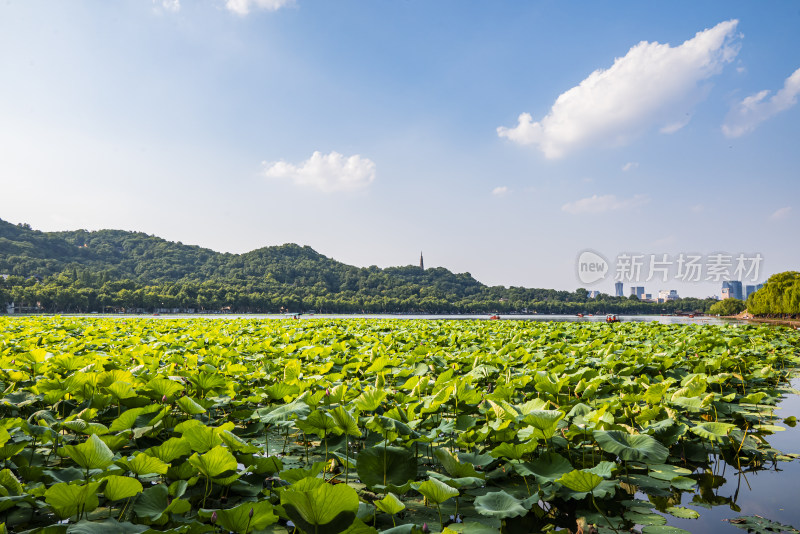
213	517
163	398
251	513
425	528
327	392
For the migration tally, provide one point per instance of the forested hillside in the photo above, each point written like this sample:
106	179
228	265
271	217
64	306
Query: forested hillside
115	270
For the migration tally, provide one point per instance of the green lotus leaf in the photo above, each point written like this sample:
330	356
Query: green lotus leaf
171	449
454	467
545	421
91	454
667	472
604	469
65	499
479	460
436	491
295	475
202	438
547	468
239	520
632	447
215	462
121	390
315	507
469	527
513	451
645	518
345	421
319	422
580	481
144	464
164	387
390	504
10	450
383	425
370	400
154	504
758	525
295	409
189	406
683	513
499	504
753	398
118	487
386	465
655	393
281	390
458	482
683	483
107	526
11	483
235	443
129	418
713	431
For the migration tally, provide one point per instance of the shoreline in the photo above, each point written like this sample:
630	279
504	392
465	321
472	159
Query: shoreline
744	316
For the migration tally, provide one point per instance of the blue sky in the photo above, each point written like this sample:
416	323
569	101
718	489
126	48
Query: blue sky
373	130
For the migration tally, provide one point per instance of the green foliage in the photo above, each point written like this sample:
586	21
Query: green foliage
779	296
727	307
526	427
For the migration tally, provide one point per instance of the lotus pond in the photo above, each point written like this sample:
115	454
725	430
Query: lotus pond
398	426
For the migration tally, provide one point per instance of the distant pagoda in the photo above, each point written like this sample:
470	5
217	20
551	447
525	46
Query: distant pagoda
421	263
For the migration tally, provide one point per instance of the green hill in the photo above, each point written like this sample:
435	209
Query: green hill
114	269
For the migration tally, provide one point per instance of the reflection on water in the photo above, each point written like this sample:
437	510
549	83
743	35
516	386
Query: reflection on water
770	493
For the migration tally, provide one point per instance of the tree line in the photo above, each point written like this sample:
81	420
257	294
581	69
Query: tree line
114	270
780	296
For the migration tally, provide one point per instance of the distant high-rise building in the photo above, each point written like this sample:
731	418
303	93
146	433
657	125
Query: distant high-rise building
666	295
638	291
593	294
421	263
618	289
734	290
749	290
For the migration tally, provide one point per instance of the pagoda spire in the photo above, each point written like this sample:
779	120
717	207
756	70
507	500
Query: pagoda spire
421	262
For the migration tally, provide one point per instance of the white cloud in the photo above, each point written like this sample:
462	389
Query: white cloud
500	190
242	7
629	166
604	203
652	84
169	5
326	172
755	109
780	214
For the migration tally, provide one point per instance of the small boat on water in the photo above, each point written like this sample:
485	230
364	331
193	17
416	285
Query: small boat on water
494	317
612	318
580	315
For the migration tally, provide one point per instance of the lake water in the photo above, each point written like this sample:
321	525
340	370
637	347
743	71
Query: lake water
770	493
663	319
